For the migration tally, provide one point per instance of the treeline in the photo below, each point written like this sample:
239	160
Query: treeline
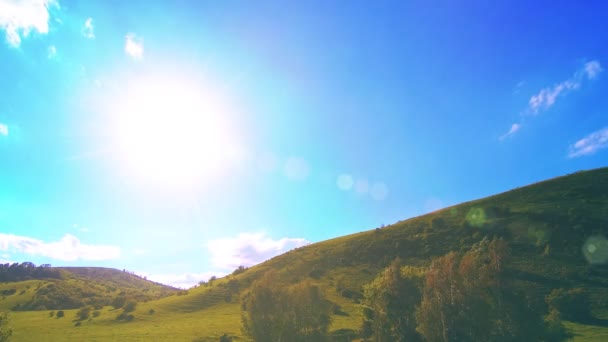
27	271
465	296
460	297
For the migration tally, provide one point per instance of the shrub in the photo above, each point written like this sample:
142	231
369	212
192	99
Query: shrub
572	304
77	324
151	311
52	314
84	313
130	306
60	314
96	313
119	302
5	330
225	338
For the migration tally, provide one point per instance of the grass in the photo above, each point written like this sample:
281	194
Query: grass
546	225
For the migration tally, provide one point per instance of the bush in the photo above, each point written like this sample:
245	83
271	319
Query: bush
225	338
572	304
343	335
5	330
77	324
84	313
96	313
52	314
151	311
60	314
130	306
119	302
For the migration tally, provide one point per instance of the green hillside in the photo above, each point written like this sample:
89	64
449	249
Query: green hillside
555	230
73	287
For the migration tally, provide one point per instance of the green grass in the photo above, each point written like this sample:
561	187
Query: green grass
555	216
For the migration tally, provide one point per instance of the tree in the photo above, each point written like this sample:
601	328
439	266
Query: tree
275	313
130	306
390	303
119	301
573	304
84	313
5	330
468	298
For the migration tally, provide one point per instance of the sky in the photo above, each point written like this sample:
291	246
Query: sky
180	140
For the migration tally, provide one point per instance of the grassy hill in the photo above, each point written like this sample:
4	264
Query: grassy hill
74	287
555	229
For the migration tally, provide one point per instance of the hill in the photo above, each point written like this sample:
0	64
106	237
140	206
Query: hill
27	287
556	230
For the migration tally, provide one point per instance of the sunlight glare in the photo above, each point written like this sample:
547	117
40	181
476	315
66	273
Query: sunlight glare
172	131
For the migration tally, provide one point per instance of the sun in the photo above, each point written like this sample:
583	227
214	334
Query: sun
172	131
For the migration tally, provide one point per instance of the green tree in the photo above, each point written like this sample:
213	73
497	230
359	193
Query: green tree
272	312
119	301
390	303
468	298
130	306
573	304
5	330
84	313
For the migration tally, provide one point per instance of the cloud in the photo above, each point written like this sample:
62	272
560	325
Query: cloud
19	18
183	280
589	144
248	249
546	97
592	69
514	128
88	30
68	248
134	46
51	52
3	129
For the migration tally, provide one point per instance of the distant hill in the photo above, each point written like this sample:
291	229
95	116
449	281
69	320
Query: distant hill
30	287
556	230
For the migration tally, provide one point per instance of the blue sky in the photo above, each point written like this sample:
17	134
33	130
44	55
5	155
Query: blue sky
180	140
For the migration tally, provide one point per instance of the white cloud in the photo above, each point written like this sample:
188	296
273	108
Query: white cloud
51	52
134	46
592	69
68	248
590	144
514	128
248	249
183	280
546	97
88	30
3	129
19	18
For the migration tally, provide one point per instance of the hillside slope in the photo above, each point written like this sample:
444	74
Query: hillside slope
54	288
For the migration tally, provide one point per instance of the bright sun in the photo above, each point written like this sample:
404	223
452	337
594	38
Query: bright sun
173	131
